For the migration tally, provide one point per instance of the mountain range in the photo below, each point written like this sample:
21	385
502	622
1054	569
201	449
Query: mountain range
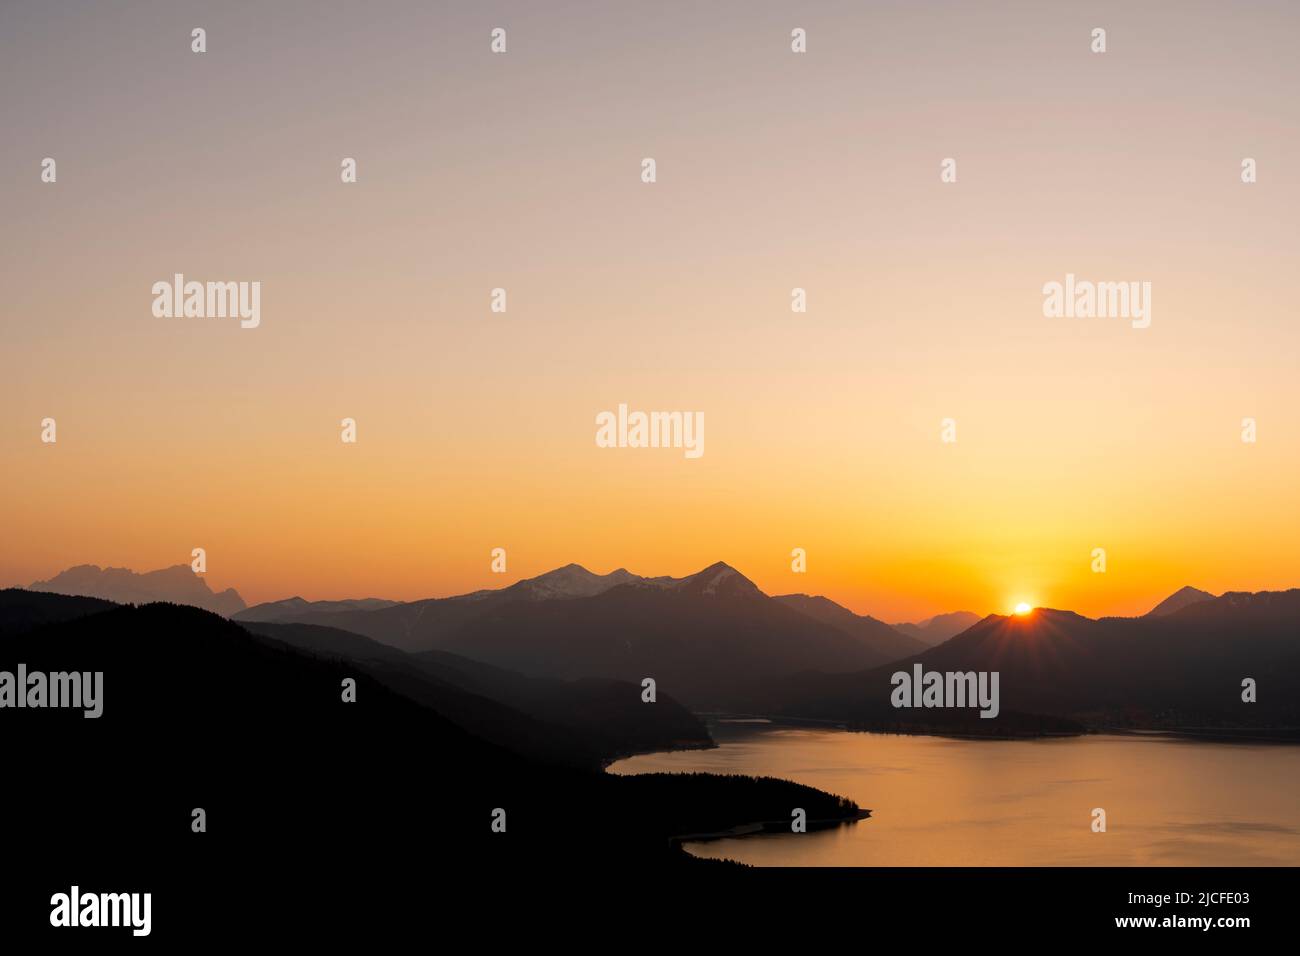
699	635
1178	671
714	641
717	642
178	585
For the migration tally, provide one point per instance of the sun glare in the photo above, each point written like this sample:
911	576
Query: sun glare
1023	608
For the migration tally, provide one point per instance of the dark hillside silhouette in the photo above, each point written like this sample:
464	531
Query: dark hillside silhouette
305	793
584	723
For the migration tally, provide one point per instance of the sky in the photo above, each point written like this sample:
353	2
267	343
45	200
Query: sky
775	170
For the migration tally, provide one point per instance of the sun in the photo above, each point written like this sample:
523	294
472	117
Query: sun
1023	608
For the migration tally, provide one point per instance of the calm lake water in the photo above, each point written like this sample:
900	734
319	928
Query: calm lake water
936	801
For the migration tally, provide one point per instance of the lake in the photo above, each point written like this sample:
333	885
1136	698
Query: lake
943	802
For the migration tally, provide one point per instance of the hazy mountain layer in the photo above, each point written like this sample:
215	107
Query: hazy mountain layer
178	584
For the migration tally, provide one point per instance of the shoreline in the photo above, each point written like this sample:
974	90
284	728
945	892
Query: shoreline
765	826
710	744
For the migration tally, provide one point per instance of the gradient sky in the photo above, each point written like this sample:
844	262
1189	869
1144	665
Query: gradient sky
775	170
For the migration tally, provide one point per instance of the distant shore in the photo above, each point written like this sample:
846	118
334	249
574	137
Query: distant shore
1283	735
1252	735
849	726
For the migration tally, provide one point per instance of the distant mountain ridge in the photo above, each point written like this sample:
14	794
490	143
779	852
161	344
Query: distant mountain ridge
575	581
937	629
1180	599
565	583
177	584
295	606
570	581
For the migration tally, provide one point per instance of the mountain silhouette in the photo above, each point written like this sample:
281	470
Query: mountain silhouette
570	581
178	585
1179	600
1181	671
937	629
700	637
875	634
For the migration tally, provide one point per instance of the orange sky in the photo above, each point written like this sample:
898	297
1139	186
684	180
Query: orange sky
476	430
